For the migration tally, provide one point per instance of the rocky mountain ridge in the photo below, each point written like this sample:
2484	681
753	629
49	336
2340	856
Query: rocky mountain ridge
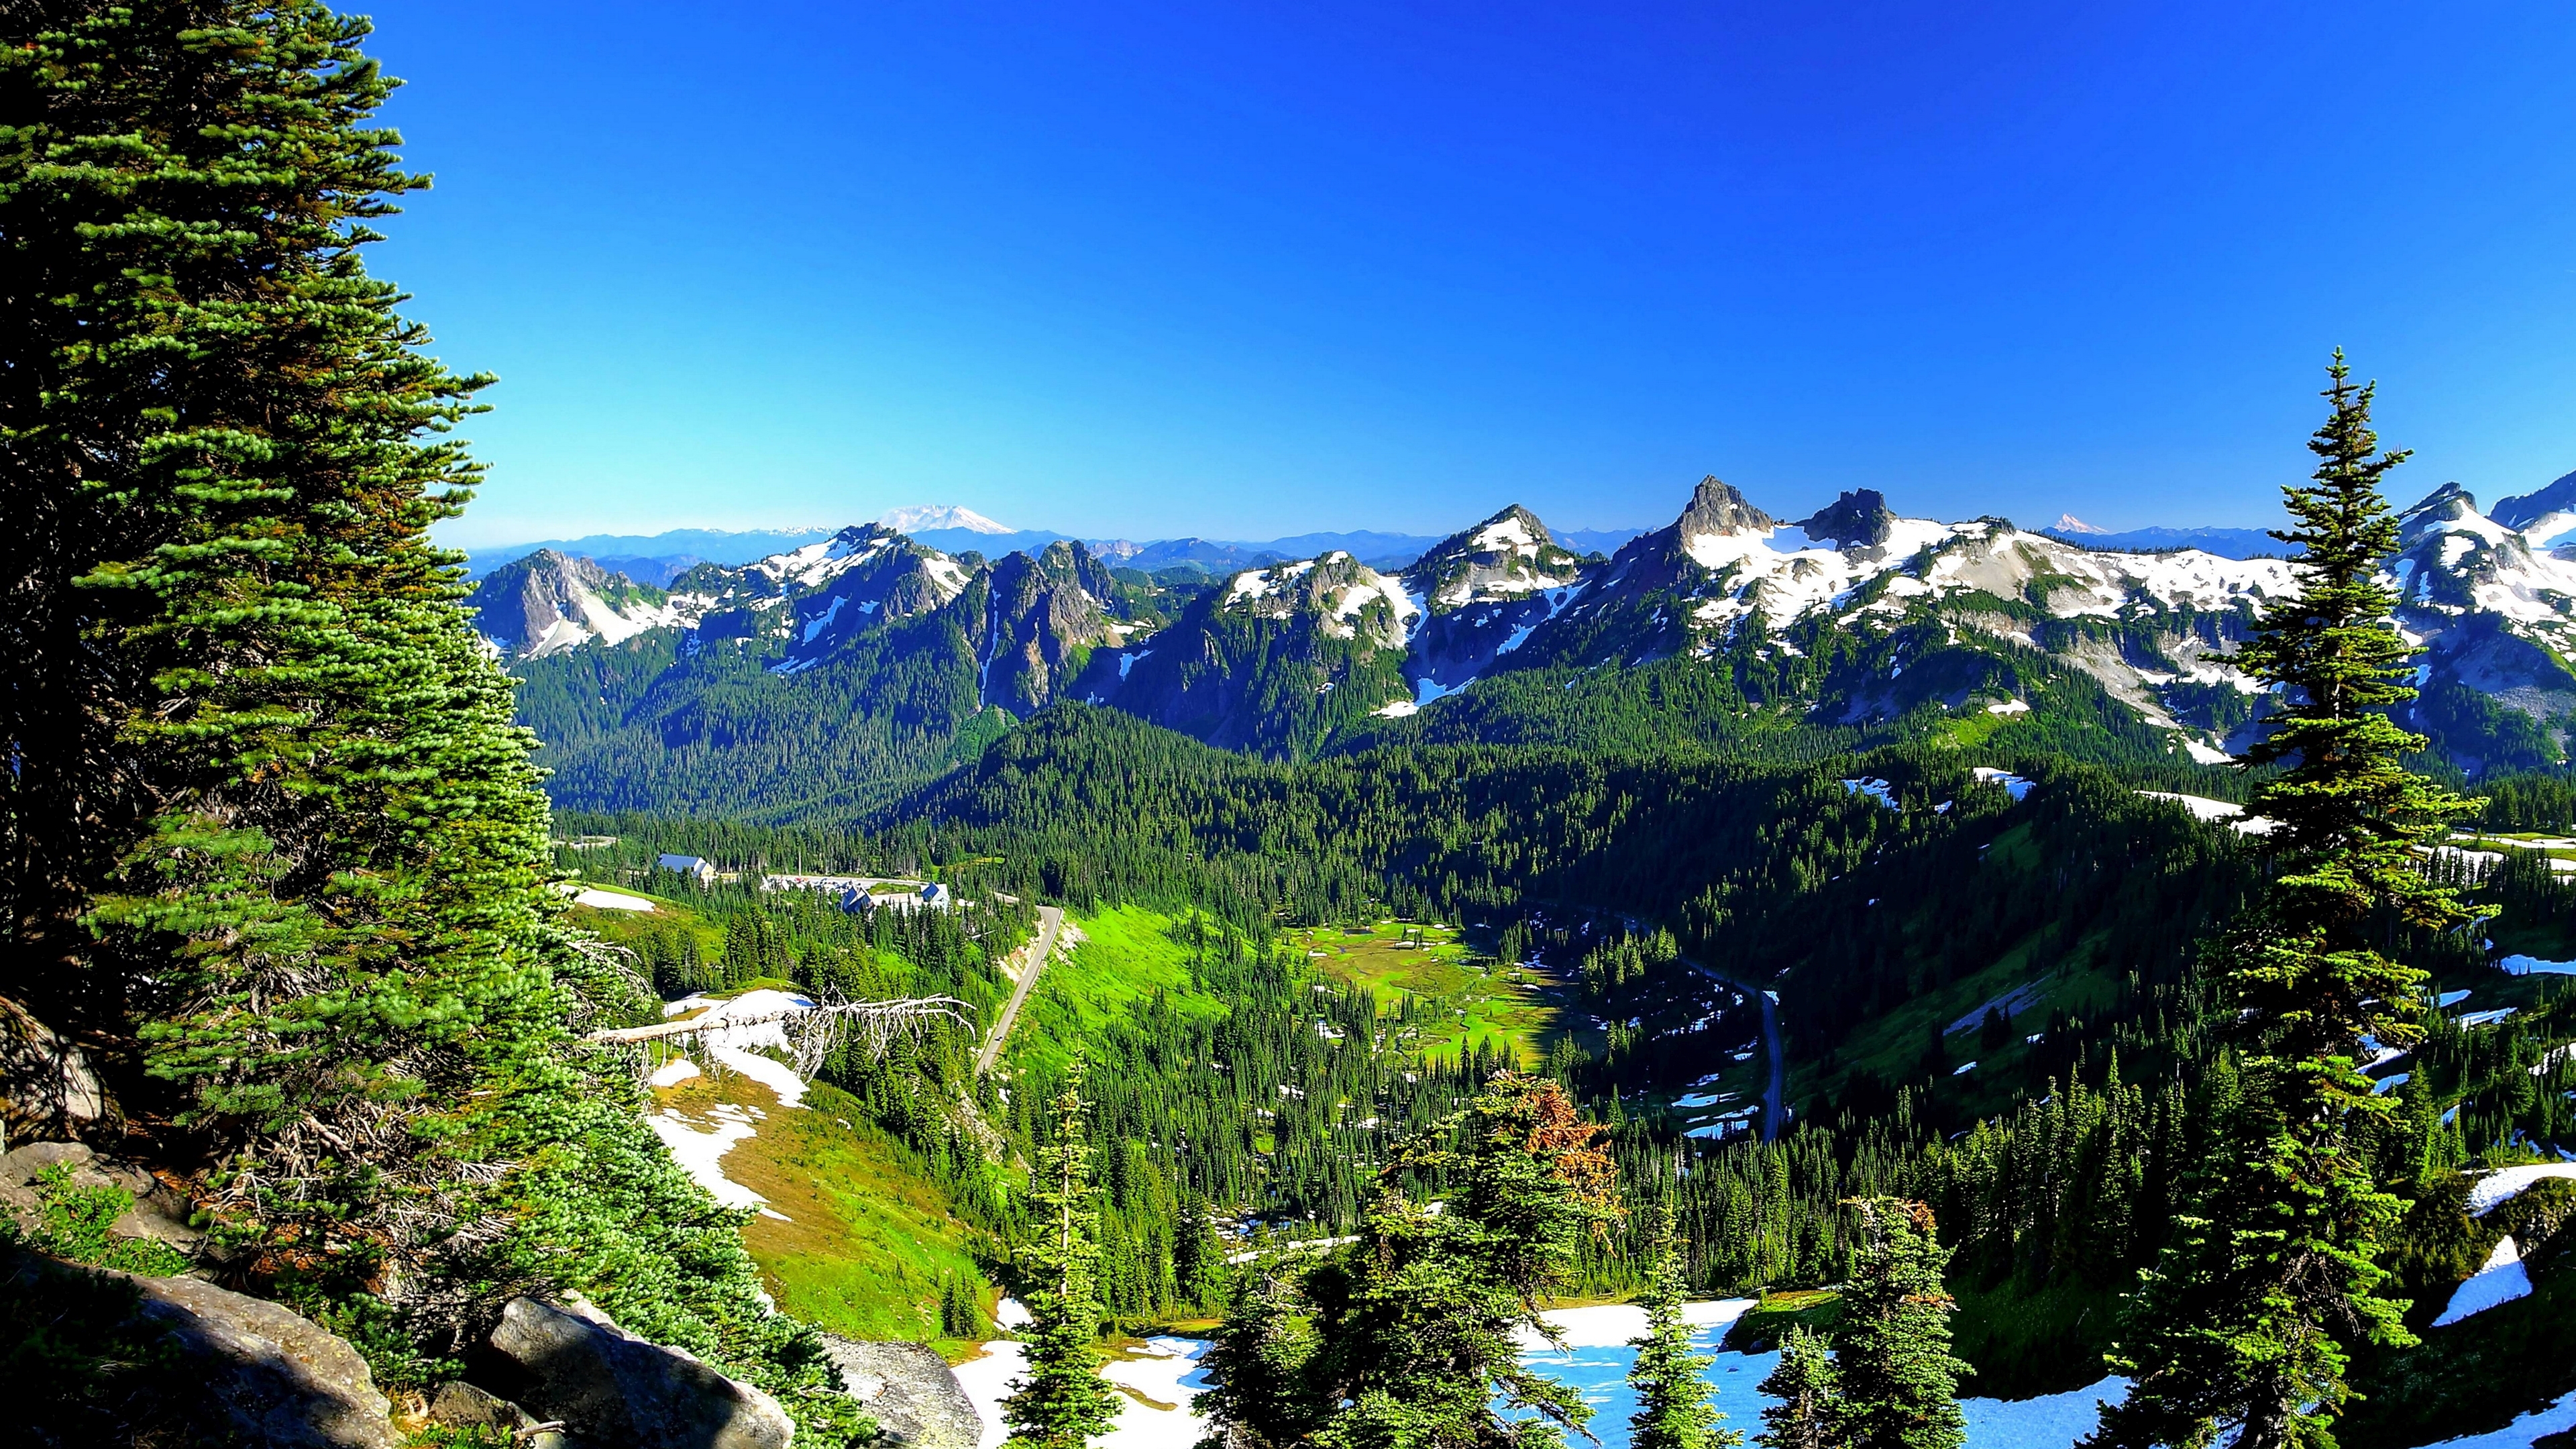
1855	616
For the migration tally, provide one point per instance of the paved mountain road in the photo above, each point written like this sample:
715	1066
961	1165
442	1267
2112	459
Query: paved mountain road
1775	1095
1050	921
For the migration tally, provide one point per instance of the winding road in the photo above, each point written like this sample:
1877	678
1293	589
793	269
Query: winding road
1775	1095
1050	921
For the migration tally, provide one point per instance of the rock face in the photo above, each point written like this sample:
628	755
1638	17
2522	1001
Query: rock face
246	1370
610	1388
910	1391
159	1211
46	1085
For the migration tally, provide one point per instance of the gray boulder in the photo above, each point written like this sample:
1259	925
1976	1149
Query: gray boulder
910	1391
240	1370
159	1211
46	1085
609	1388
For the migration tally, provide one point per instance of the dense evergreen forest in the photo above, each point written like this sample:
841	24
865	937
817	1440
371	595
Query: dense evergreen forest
2056	1050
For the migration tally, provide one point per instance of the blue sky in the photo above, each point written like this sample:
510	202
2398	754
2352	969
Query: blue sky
1242	271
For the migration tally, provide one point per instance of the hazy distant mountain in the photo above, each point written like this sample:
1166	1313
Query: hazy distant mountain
694	545
2235	543
990	545
939	517
1596	540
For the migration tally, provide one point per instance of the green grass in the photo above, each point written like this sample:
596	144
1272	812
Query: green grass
1126	955
869	1233
1767	1322
1472	998
620	928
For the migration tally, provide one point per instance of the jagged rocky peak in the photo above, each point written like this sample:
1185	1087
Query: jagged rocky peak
2521	512
549	602
1045	613
1345	595
2449	503
1508	556
1716	507
1858	519
1068	562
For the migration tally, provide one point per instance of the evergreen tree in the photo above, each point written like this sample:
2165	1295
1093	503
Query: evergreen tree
1063	1403
1407	1338
1673	1408
270	846
1804	1412
957	1317
2244	1322
1892	1363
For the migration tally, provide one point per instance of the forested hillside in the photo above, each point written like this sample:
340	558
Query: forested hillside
1996	956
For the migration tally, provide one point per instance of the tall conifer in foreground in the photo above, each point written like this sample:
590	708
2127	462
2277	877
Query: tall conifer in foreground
2243	1323
1406	1340
269	843
1898	1382
1063	1403
1673	1408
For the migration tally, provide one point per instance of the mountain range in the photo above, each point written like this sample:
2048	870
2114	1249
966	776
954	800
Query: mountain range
657	559
869	657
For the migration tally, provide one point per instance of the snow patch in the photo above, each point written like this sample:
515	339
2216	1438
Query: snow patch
2202	754
2014	785
2210	811
2501	1281
2507	1183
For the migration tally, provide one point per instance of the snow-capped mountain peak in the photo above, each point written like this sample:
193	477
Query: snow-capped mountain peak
2544	516
2069	523
547	603
938	515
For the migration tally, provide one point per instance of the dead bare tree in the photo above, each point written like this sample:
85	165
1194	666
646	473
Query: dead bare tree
813	1032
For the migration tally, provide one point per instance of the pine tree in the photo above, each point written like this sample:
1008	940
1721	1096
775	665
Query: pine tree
1804	1412
2244	1322
269	841
1063	1403
1407	1338
1673	1408
1892	1363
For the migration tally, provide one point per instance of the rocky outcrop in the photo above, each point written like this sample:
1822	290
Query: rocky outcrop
1716	507
463	1406
1044	615
612	1390
910	1391
47	1088
231	1369
1858	519
160	1211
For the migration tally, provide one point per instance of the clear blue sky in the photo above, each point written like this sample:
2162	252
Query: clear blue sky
1242	271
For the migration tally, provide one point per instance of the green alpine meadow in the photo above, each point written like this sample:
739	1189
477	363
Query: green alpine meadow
776	965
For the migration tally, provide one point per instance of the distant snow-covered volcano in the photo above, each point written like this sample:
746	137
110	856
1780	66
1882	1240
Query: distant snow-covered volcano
938	515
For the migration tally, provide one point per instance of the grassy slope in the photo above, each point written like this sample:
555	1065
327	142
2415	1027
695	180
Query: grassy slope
1480	999
1126	955
1892	1045
869	1233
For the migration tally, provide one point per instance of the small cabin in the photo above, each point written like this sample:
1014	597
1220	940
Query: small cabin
697	867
